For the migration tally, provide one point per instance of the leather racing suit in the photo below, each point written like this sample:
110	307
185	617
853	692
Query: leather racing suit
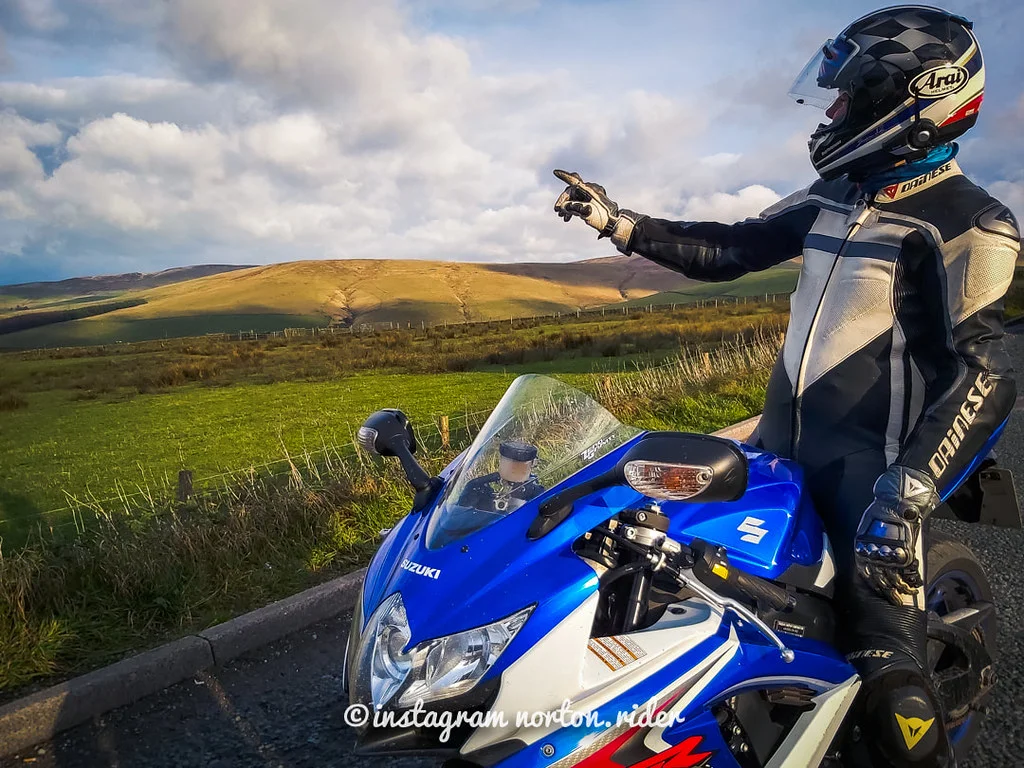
894	352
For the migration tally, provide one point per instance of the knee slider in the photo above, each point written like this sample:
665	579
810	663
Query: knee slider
902	723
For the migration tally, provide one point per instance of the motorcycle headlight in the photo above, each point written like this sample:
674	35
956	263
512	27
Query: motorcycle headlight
434	669
449	666
388	664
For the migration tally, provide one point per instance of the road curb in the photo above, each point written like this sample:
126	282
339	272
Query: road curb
42	715
272	622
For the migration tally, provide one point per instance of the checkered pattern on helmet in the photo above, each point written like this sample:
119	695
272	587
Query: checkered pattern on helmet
894	46
879	81
909	39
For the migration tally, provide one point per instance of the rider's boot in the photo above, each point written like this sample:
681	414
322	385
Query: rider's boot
900	721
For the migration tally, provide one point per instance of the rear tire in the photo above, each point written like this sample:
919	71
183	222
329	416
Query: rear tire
956	580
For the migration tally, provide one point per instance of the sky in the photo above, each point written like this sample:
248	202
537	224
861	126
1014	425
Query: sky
137	135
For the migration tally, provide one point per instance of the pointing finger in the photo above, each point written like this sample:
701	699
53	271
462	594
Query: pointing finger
572	179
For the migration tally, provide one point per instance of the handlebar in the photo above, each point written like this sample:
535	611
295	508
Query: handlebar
712	567
704	568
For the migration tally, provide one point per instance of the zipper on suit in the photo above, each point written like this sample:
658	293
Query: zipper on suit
865	206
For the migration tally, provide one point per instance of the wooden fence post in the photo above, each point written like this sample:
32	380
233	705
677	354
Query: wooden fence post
184	484
445	434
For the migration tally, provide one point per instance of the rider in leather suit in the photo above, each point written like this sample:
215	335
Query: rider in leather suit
893	383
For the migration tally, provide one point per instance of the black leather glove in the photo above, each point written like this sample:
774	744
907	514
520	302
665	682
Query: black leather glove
591	203
886	543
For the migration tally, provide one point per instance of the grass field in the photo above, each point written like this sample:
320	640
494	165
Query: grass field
54	447
779	280
116	328
94	423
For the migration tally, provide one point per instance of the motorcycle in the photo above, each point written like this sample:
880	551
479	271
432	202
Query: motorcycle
571	591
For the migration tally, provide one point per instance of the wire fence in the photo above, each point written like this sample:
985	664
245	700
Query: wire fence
155	492
685	300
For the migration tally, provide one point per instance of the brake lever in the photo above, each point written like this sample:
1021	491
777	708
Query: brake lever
688	579
667	551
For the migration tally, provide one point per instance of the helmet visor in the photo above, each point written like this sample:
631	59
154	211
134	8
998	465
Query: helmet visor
824	73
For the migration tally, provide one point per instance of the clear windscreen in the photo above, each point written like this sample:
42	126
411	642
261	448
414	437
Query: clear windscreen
541	432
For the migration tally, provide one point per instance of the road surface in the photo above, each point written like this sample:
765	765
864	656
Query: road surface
281	705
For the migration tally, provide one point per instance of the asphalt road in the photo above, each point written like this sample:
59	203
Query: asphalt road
280	706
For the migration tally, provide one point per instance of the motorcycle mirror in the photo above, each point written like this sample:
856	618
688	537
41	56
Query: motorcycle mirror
389	433
676	466
385	432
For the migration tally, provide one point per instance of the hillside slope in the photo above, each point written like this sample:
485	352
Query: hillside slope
106	284
400	291
305	293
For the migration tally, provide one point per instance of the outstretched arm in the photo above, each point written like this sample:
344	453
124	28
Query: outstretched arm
716	252
700	250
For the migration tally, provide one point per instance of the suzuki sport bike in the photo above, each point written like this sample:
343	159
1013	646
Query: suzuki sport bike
571	591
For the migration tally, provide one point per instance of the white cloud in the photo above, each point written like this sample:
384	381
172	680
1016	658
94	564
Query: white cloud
316	128
728	208
20	167
33	134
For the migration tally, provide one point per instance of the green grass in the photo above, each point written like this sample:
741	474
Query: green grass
91	423
98	434
10	304
1014	301
150	569
89	448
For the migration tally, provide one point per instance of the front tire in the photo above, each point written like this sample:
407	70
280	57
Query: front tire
956	580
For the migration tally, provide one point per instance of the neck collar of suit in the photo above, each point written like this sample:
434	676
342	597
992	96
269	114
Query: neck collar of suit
914	177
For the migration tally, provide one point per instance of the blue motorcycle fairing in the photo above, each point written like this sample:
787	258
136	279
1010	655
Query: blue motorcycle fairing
817	665
497	571
750	666
568	739
765	532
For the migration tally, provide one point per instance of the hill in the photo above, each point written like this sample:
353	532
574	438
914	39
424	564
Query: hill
106	284
354	292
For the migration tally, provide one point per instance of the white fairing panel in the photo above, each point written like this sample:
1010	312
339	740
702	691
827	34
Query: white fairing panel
828	564
568	665
700	677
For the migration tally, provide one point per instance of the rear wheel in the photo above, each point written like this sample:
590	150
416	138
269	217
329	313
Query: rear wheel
956	581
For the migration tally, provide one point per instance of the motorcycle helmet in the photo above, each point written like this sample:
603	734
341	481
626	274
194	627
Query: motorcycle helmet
894	85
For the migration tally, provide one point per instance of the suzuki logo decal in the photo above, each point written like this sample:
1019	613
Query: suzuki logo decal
752	530
422	570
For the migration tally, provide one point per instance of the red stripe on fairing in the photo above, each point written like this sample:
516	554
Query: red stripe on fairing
603	757
679	756
967	110
682	755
